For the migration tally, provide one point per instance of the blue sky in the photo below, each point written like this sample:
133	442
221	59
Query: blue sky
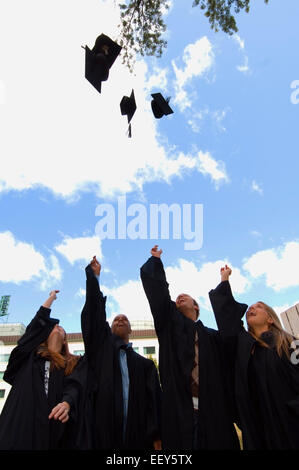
230	146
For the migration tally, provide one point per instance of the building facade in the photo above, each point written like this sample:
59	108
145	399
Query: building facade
290	320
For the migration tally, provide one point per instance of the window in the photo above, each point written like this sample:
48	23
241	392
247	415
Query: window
136	349
79	352
4	357
2	393
1	375
149	350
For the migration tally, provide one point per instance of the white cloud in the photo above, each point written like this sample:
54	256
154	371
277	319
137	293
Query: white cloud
196	120
57	130
52	275
245	67
187	278
21	262
81	248
279	266
166	169
194	124
198	59
2	92
256	187
80	293
158	79
184	277
182	99
256	233
217	116
215	169
131	300
240	41
279	309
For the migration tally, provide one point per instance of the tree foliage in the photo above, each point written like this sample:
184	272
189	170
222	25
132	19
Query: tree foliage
142	27
142	24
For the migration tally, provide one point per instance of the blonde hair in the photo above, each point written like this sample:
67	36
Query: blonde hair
63	360
282	339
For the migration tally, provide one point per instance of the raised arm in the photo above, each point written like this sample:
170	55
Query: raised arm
36	333
156	288
93	317
228	312
50	299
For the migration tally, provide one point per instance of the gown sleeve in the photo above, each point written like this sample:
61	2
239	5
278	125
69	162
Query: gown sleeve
73	387
156	289
36	333
228	312
94	326
77	392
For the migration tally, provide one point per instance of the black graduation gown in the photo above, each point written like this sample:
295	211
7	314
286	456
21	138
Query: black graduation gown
176	334
266	385
105	401
24	422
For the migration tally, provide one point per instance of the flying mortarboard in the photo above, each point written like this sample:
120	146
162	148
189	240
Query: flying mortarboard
99	60
160	106
128	108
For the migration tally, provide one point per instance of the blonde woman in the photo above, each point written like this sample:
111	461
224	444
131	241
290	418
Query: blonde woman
266	377
36	413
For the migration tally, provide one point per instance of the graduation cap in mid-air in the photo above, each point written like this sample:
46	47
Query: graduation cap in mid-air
128	108
160	106
99	60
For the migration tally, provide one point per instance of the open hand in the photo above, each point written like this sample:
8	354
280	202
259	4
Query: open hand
155	252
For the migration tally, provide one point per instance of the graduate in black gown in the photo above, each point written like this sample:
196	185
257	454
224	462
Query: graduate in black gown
123	387
196	409
266	370
41	407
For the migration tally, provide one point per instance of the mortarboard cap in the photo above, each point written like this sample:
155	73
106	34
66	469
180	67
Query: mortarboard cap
160	106
99	60
128	106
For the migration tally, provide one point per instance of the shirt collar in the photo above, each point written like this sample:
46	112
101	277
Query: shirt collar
126	346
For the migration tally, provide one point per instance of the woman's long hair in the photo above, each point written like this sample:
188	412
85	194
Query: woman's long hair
282	339
63	360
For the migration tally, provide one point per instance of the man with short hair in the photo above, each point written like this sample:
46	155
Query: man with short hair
197	408
123	387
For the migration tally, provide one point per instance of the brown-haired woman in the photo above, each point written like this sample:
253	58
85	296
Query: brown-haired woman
36	412
266	378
